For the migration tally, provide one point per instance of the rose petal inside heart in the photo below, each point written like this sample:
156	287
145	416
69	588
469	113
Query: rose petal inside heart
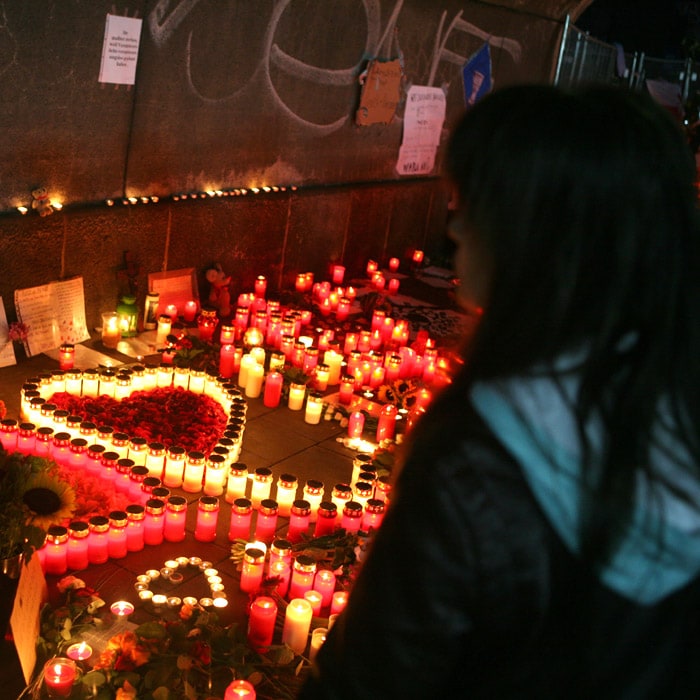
170	415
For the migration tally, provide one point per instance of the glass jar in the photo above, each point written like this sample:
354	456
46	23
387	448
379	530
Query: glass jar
175	519
207	519
116	537
241	516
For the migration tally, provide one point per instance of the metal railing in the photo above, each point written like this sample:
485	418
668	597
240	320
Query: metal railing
583	58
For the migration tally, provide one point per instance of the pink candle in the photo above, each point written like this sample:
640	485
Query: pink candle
373	514
393	264
227	360
175	519
266	522
98	552
77	550
66	356
347	389
350	342
324	583
260	286
417	257
337	274
261	623
281	569
372	267
356	424
338	602
393	285
300	282
303	572
55	550
59	676
241	514
227	335
80	651
190	311
154	521
240	690
207	517
316	601
171	310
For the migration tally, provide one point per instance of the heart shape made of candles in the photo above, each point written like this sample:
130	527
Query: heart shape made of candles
169	415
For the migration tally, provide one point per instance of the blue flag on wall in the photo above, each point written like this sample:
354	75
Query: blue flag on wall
476	76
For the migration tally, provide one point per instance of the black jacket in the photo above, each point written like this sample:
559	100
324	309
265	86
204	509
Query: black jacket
469	593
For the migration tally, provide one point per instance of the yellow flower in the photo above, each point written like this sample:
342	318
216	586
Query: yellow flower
48	500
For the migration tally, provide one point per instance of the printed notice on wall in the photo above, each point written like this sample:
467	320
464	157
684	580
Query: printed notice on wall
120	50
422	127
54	314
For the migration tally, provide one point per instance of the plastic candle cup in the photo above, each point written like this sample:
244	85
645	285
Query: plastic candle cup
338	602
261	623
253	569
314	409
266	522
286	493
324	583
297	623
253	386
318	637
66	356
356	424
261	486
207	517
303	572
297	393
273	389
241	514
316	600
190	311
394	264
165	324
59	675
393	285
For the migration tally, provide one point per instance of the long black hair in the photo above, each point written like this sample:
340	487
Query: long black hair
585	202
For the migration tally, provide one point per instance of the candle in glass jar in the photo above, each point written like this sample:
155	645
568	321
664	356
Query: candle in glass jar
116	536
175	519
266	522
237	482
59	675
316	600
252	570
207	518
174	466
297	623
299	519
260	285
347	389
98	552
261	623
55	550
240	690
189	311
215	475
261	486
66	356
111	332
386	424
194	472
286	493
154	521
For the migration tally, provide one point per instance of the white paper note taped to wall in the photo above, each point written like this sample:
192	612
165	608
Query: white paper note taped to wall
120	50
422	127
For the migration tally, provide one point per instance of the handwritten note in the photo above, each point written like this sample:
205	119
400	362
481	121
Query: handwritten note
54	314
423	119
380	93
174	287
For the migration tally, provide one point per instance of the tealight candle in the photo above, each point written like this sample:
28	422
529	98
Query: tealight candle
80	651
122	608
159	600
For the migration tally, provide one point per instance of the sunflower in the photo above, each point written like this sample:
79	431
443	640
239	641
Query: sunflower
48	499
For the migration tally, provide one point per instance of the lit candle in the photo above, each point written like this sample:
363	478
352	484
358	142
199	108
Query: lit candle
372	267
194	472
347	389
165	324
227	359
266	522
316	600
386	424
300	282
260	286
282	571
321	376
393	285
207	518
59	676
297	623
297	393
356	424
324	583
122	608
318	637
337	274
252	569
314	409
240	690
66	356
273	389
171	310
254	383
237	482
393	264
80	651
303	572
190	311
334	361
286	493
261	623
111	333
261	486
338	602
241	514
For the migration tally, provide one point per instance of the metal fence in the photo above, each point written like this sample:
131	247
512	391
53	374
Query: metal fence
582	58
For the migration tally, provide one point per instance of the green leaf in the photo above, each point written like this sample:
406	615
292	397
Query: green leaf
151	630
94	679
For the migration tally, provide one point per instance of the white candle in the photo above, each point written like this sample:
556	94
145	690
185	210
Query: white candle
254	382
314	409
334	360
296	396
297	622
318	637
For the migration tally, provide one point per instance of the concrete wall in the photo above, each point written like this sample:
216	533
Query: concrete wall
276	234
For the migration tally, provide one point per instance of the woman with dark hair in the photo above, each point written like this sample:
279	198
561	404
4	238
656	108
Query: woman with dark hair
544	538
